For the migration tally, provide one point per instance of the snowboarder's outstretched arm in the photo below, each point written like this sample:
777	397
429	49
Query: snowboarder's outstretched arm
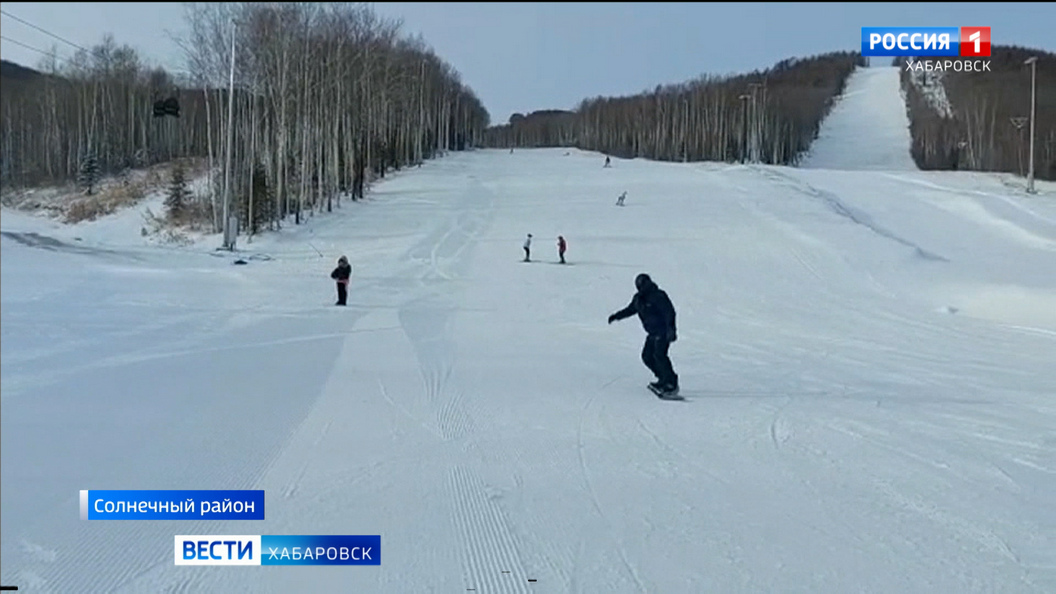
630	310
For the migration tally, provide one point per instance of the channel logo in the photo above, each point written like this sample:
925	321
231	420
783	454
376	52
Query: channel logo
925	42
271	549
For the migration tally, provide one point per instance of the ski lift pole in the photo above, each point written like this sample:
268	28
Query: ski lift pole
228	235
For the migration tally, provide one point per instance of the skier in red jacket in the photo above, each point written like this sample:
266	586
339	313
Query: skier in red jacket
561	247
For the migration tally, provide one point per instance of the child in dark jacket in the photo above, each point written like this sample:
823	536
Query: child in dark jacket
342	274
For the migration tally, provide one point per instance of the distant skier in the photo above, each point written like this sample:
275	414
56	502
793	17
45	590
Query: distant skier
528	248
561	247
657	314
342	274
608	162
622	197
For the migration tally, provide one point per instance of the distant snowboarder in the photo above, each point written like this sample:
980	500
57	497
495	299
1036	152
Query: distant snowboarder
621	198
528	248
561	247
655	310
608	162
342	274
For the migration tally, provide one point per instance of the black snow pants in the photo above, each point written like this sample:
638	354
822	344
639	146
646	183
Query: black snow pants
342	293
654	355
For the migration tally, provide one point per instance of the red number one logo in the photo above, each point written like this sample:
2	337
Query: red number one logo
975	42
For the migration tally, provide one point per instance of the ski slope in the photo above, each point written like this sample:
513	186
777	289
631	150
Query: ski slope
868	128
867	359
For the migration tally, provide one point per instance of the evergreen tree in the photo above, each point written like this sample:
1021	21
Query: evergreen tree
88	175
178	195
263	206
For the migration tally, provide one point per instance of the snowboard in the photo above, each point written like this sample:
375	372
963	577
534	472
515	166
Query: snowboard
663	396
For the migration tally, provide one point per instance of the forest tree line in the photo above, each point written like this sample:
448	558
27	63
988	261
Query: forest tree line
768	116
979	121
327	97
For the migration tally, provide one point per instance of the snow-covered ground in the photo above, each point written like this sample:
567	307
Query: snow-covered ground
867	360
139	189
868	128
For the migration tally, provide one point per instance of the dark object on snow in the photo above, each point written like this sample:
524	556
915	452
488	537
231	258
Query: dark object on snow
657	314
167	107
341	274
240	262
562	245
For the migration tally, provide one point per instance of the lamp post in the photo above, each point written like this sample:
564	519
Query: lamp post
755	120
744	126
229	240
1033	62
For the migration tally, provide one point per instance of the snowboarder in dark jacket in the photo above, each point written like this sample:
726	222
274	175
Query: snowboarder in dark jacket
341	274
655	310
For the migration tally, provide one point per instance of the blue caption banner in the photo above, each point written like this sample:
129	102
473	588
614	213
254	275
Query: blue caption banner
172	505
320	550
269	549
917	42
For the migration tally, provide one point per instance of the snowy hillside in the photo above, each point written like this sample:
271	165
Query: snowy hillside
867	360
868	128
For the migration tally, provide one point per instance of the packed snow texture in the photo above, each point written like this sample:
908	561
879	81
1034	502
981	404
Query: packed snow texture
867	359
868	127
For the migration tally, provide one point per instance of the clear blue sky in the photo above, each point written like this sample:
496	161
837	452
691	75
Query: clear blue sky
521	57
